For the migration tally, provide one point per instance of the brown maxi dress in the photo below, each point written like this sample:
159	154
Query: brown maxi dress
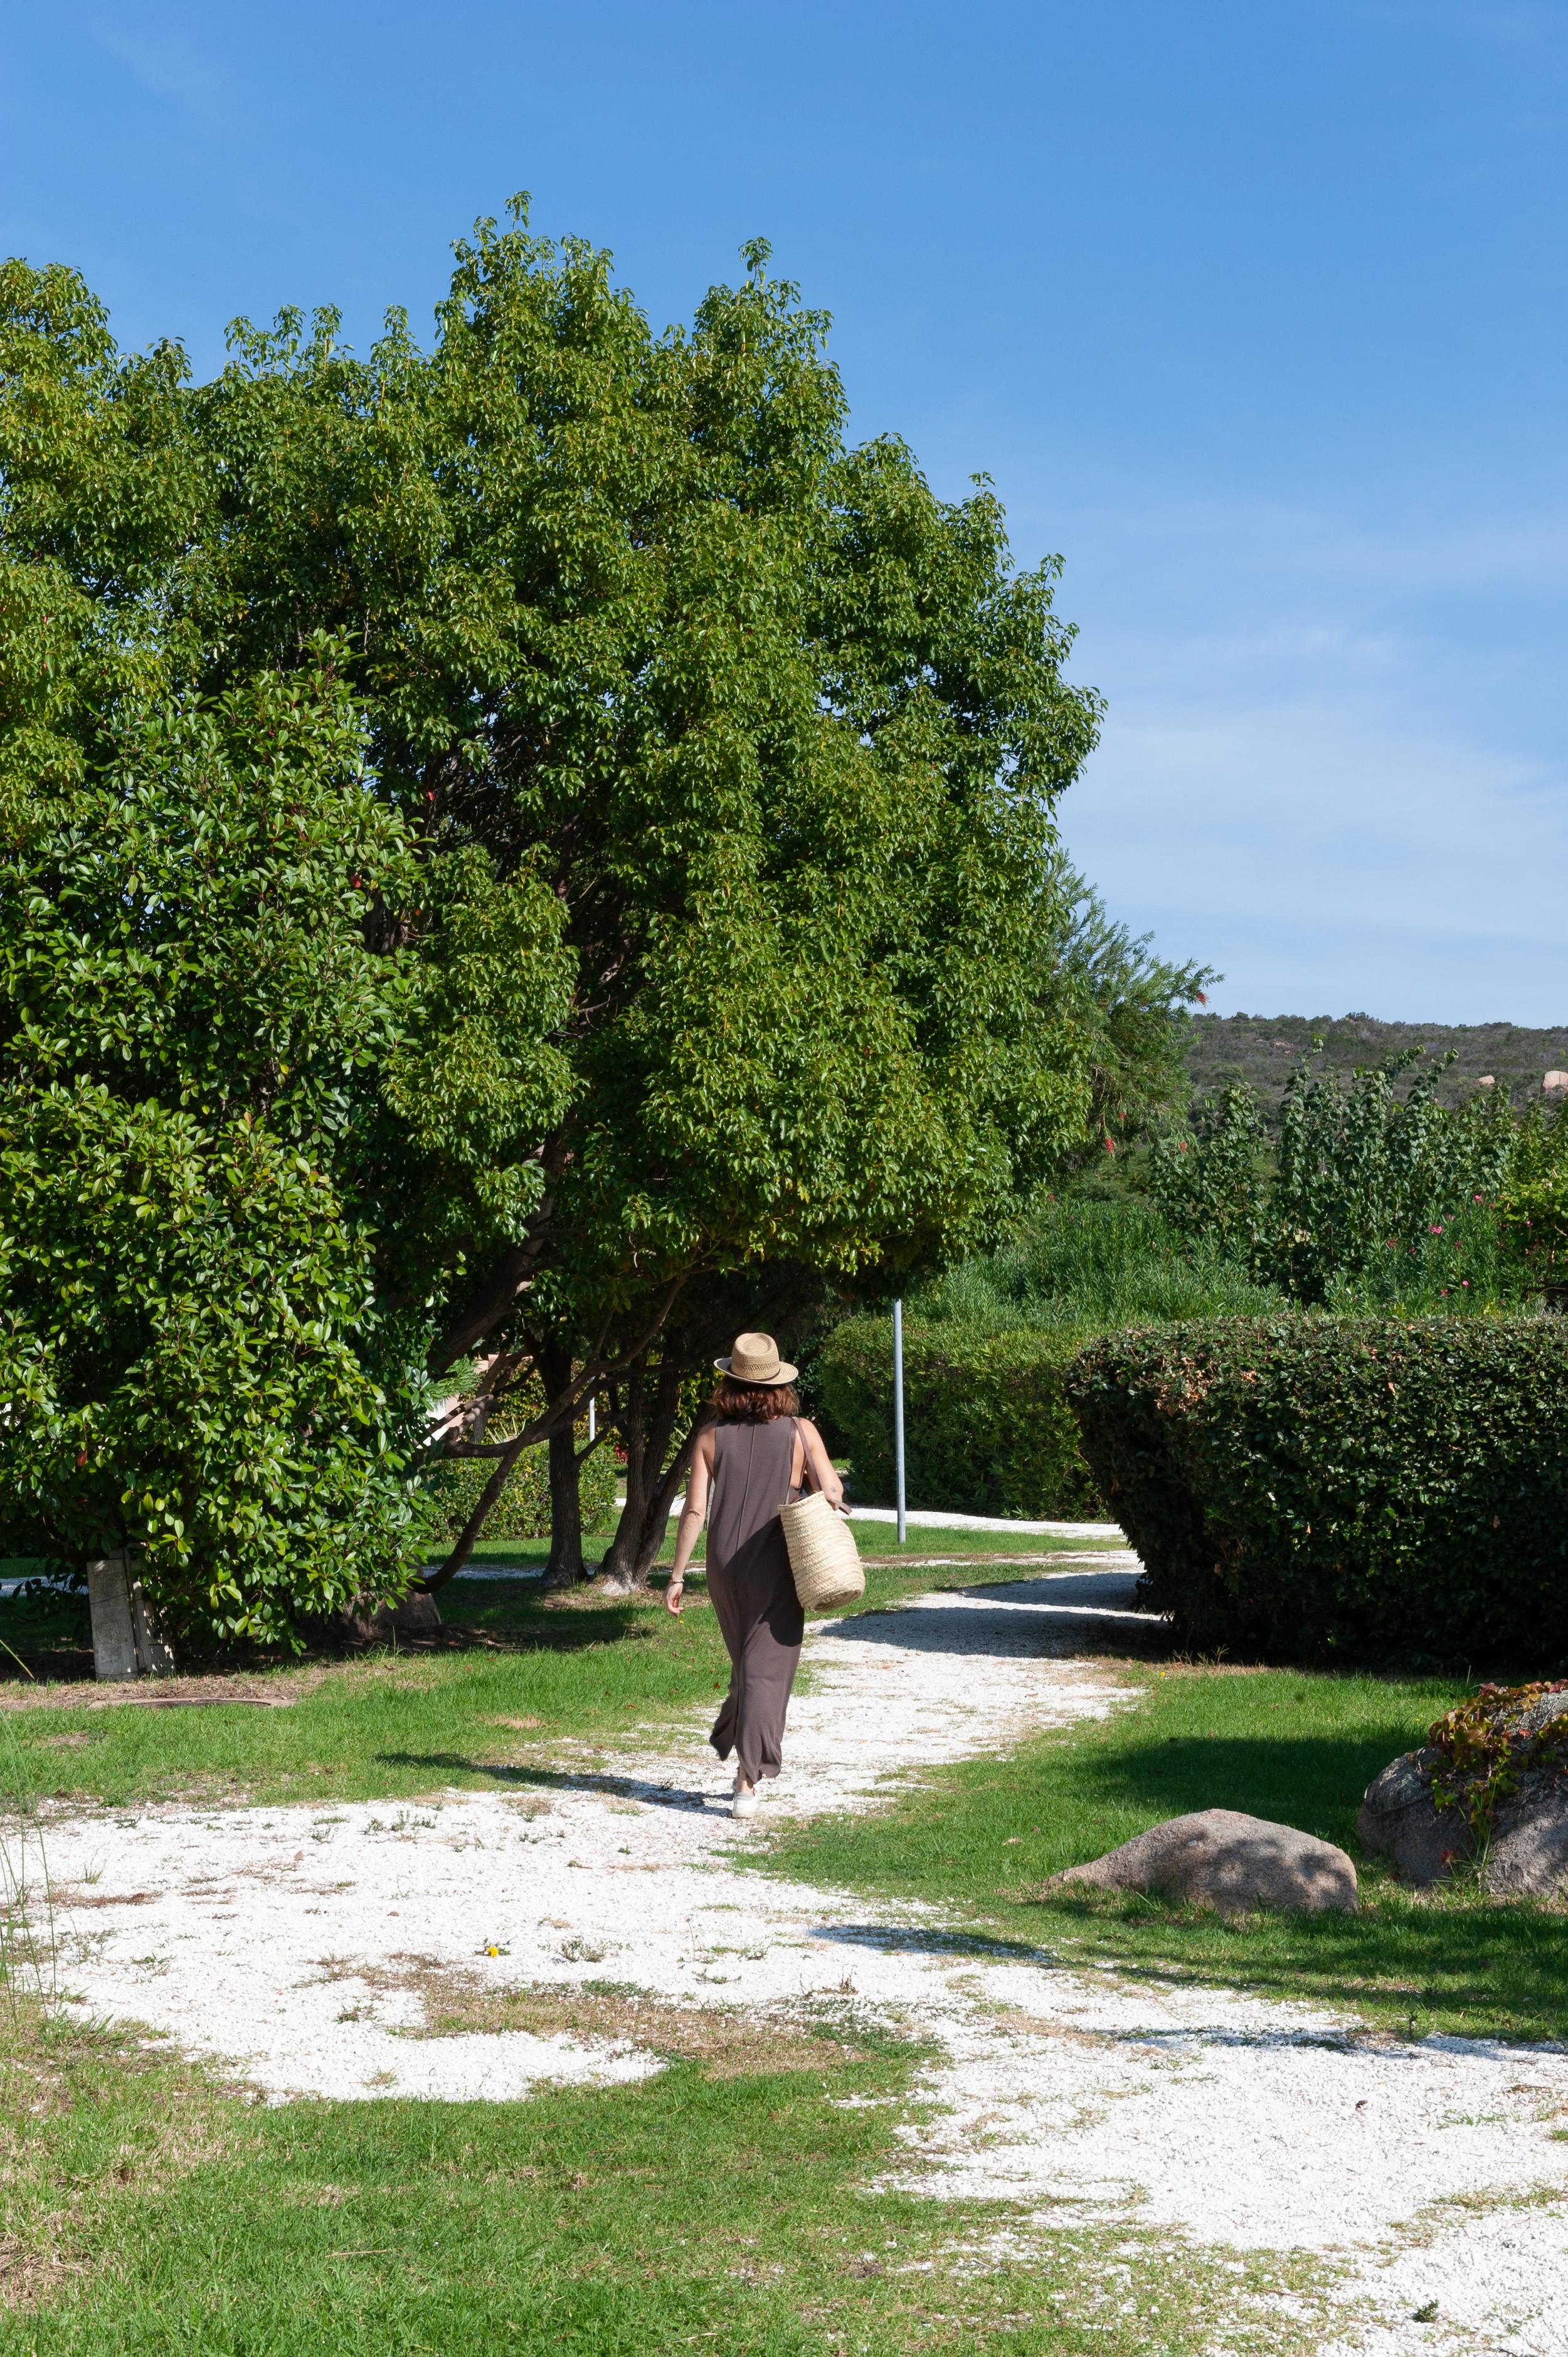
752	1591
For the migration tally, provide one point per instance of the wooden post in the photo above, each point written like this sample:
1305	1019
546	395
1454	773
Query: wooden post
125	1644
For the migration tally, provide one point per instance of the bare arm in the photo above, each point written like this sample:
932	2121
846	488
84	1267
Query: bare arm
817	1458
694	1513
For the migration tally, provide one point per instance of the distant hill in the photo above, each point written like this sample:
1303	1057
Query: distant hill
1264	1050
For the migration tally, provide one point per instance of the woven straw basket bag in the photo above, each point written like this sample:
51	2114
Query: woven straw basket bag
823	1555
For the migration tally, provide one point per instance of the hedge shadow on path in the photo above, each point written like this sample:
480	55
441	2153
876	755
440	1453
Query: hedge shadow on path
522	1779
1063	1614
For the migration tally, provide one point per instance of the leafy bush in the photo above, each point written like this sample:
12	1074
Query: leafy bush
1323	1487
193	1362
523	1510
1365	1180
987	1426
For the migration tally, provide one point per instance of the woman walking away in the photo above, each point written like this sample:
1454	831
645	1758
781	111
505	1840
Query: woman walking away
751	1459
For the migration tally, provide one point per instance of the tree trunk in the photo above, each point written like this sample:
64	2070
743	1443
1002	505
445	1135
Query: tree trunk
643	1544
629	1400
647	1426
468	1537
125	1639
564	1566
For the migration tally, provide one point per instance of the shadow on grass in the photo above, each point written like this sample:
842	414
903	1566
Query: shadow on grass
1487	1971
1313	1782
521	1617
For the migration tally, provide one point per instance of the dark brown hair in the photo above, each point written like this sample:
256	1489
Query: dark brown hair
735	1402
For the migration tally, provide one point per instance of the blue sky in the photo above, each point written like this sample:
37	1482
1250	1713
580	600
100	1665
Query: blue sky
1255	312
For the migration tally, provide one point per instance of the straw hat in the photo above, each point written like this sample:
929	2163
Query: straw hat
756	1359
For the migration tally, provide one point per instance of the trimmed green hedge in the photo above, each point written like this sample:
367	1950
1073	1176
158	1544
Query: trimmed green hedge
523	1510
1343	1488
986	1423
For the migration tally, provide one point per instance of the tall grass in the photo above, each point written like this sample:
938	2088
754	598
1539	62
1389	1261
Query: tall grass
28	1948
1085	1265
1460	1267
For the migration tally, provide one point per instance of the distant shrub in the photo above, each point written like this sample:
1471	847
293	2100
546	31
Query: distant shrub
1370	1191
1083	1263
522	1511
987	1425
1316	1488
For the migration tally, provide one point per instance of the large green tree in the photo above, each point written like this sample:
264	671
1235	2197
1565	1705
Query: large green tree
725	755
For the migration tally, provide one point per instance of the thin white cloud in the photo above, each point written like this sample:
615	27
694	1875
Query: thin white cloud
1528	25
1324	862
167	59
1303	546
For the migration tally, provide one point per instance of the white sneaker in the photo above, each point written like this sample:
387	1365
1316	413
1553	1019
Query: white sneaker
745	1802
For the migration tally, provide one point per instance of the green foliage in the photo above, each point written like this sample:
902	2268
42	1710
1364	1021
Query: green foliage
1489	1743
522	1511
1533	1208
987	1426
1362	1173
1082	1263
1461	1265
984	1350
1128	1005
1533	1215
1353	1487
101	489
193	1358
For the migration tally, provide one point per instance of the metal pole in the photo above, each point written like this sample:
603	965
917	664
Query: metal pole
593	1428
898	1409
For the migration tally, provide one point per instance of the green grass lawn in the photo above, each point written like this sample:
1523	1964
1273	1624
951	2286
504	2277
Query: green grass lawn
148	2213
517	1672
979	1839
878	1540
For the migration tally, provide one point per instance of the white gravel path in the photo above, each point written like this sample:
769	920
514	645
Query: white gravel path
274	1940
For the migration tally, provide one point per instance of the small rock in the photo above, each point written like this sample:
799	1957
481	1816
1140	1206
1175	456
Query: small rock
1227	1860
